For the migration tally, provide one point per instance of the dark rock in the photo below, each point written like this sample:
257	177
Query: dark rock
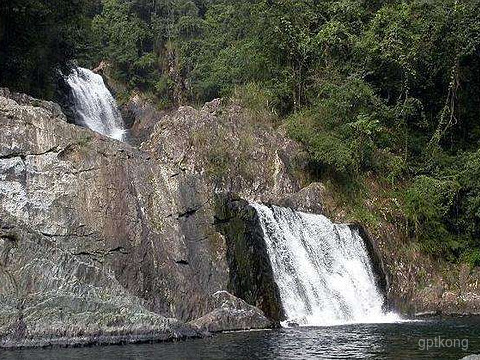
140	117
251	274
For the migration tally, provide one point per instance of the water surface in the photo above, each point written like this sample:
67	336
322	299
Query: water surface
360	341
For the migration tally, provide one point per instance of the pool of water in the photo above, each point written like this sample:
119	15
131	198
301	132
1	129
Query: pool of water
431	339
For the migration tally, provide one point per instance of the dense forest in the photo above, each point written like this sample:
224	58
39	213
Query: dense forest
383	89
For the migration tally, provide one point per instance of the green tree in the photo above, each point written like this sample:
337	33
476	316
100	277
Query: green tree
38	38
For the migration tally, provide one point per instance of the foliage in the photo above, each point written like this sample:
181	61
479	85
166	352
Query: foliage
37	38
428	200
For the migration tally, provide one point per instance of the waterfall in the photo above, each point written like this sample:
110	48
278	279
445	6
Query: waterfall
94	105
322	270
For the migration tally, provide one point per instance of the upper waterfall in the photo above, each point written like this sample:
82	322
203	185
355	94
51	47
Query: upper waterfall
94	105
322	269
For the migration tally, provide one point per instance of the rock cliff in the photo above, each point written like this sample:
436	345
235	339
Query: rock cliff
103	242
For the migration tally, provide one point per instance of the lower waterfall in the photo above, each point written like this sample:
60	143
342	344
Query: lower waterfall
322	270
94	105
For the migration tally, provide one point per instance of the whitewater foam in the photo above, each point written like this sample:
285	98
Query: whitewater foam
94	105
322	270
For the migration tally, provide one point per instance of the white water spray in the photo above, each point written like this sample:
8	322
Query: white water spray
322	269
94	105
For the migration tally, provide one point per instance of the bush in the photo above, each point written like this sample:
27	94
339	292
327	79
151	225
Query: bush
427	202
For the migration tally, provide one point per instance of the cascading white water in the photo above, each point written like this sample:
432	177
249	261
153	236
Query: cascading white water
94	105
322	270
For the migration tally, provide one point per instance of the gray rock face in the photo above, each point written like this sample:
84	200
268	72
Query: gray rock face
102	242
229	149
75	251
308	199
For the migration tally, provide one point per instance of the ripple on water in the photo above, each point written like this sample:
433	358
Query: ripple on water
400	340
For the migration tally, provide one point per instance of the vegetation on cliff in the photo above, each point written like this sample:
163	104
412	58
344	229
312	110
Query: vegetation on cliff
385	89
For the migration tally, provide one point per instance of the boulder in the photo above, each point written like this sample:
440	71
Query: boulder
231	313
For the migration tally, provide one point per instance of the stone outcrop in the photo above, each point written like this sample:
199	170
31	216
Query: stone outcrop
231	313
75	253
228	149
104	242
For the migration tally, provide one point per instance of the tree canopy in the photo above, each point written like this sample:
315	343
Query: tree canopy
37	38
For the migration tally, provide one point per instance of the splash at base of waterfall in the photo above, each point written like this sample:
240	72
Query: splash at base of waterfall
94	105
322	270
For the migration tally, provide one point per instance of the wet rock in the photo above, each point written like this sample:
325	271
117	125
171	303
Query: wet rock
382	275
251	274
